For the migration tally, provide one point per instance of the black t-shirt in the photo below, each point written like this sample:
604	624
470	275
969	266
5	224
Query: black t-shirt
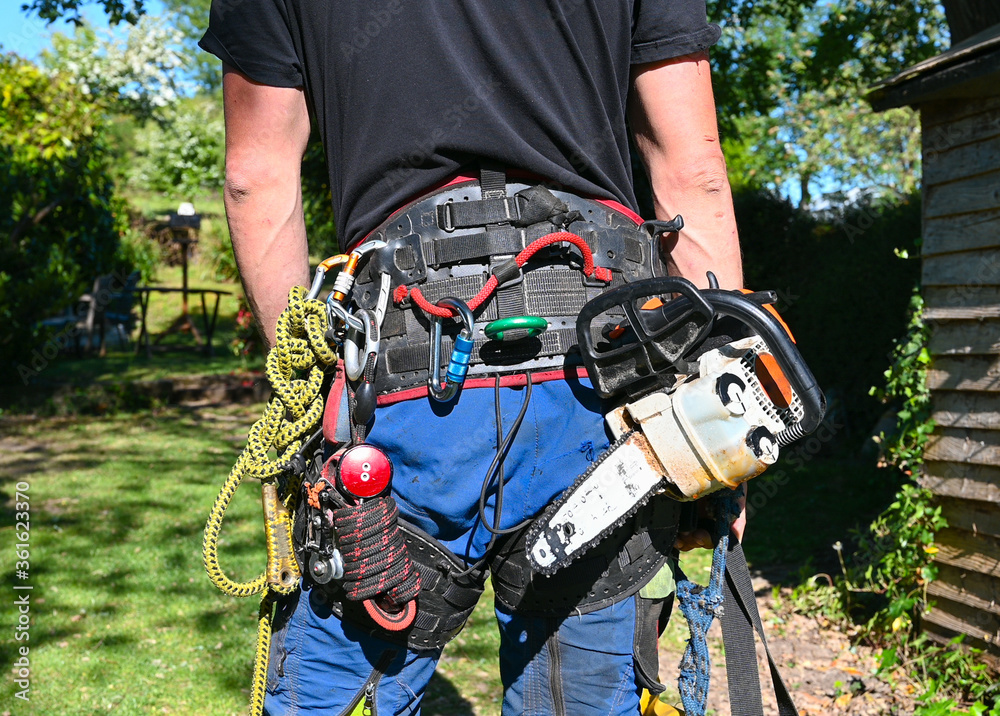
408	92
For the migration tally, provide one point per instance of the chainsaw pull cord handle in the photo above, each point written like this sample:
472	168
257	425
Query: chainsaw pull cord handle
784	351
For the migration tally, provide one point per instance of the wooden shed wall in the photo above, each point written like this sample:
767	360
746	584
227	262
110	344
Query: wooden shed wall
961	278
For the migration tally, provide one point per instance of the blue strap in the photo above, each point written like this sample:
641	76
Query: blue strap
700	605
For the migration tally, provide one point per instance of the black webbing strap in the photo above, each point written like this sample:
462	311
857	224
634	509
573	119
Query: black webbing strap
466	214
739	620
494	208
493	181
452	249
413	357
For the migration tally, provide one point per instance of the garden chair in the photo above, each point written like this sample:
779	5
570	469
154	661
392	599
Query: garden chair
108	305
118	312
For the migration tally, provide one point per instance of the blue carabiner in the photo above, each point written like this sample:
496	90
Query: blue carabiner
461	352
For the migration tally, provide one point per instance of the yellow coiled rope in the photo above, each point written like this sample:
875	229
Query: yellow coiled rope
294	368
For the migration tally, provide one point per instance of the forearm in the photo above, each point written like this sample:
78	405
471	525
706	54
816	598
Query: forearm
709	240
266	133
673	119
672	113
269	242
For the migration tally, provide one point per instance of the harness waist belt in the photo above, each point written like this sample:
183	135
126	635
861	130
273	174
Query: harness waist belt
449	243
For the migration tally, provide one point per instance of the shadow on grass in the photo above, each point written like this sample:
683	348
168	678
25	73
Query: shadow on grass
443	699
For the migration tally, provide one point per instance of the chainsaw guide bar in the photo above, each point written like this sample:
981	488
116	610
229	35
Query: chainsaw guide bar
603	498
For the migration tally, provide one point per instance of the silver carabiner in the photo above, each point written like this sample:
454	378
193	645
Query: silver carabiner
368	247
461	352
346	317
354	362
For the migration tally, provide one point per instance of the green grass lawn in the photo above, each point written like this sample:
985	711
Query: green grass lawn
124	618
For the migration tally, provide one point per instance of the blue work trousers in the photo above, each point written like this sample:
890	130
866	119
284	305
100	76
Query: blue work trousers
579	666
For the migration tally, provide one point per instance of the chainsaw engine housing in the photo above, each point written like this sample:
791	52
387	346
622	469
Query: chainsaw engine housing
715	428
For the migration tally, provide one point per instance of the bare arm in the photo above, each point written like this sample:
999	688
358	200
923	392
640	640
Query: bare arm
672	113
266	133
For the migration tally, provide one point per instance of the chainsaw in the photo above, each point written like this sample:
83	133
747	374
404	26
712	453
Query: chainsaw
706	386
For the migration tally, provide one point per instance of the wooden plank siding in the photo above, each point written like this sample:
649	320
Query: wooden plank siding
968	482
938	136
964	373
979	518
949	112
972	588
982	627
954	409
960	338
968	551
959	163
976	447
978	296
966	268
962	233
961	288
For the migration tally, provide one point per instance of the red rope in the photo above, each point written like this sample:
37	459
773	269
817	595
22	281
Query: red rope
601	273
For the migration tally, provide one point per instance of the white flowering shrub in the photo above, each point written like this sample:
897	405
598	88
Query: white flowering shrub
139	73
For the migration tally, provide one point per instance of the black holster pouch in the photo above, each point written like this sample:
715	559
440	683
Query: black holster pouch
614	570
445	600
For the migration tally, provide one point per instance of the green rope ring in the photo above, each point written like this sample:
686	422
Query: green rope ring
533	324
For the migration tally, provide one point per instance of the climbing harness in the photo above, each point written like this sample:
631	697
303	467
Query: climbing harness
510	249
534	264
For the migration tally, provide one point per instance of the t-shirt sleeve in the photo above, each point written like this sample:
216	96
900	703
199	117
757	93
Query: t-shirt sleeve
254	37
670	28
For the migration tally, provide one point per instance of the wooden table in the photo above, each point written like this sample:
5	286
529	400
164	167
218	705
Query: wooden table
209	322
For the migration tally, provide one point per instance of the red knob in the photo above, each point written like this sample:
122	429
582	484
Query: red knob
364	471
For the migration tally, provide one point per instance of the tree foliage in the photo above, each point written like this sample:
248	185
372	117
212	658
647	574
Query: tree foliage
183	154
117	10
192	19
60	220
136	74
791	80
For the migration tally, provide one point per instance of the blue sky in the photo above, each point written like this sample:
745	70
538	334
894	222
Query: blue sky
28	36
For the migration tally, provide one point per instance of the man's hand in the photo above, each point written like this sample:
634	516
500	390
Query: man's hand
672	113
266	133
701	538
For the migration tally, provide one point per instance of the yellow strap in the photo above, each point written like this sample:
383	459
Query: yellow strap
650	705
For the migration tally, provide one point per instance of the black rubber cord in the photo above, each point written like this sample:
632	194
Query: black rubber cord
496	469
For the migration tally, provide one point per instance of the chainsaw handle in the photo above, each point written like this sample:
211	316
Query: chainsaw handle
625	297
782	348
652	326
